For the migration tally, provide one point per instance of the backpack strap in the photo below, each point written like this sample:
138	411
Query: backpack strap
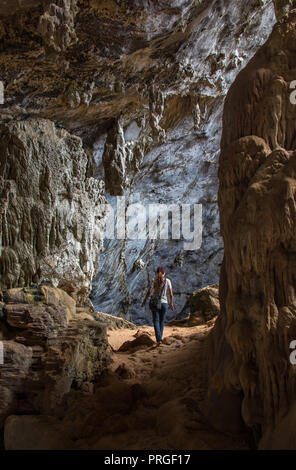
165	287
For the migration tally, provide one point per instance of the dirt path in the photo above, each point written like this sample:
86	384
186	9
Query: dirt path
165	385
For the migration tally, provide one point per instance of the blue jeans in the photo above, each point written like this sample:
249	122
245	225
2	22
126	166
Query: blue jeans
158	320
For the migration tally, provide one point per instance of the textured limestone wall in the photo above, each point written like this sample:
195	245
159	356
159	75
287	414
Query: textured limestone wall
56	25
250	370
143	84
166	149
51	221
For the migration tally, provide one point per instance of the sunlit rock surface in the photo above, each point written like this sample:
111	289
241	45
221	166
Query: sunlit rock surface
168	152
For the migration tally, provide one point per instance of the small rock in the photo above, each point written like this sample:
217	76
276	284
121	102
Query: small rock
168	340
124	371
143	340
87	387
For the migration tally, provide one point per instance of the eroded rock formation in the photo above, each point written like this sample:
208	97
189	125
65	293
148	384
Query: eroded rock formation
141	100
164	149
49	347
56	25
250	370
51	220
142	83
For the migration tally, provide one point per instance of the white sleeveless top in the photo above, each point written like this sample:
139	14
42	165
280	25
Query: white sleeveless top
164	298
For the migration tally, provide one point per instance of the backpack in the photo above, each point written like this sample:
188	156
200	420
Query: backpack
155	301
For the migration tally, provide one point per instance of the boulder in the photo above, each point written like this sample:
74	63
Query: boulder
204	305
141	341
48	348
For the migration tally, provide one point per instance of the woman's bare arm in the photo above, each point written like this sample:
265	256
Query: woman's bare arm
171	298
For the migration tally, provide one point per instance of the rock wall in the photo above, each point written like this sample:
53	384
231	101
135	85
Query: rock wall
142	83
250	372
49	348
132	93
51	221
164	149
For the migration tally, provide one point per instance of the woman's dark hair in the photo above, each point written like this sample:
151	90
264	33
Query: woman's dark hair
160	269
160	282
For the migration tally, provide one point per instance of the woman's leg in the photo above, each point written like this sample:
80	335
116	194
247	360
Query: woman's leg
163	311
155	316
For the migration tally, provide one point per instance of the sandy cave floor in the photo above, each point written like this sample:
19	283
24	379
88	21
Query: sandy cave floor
168	386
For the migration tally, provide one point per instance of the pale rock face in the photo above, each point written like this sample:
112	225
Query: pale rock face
177	141
50	213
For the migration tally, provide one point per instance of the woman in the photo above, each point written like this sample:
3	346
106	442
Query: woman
159	302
